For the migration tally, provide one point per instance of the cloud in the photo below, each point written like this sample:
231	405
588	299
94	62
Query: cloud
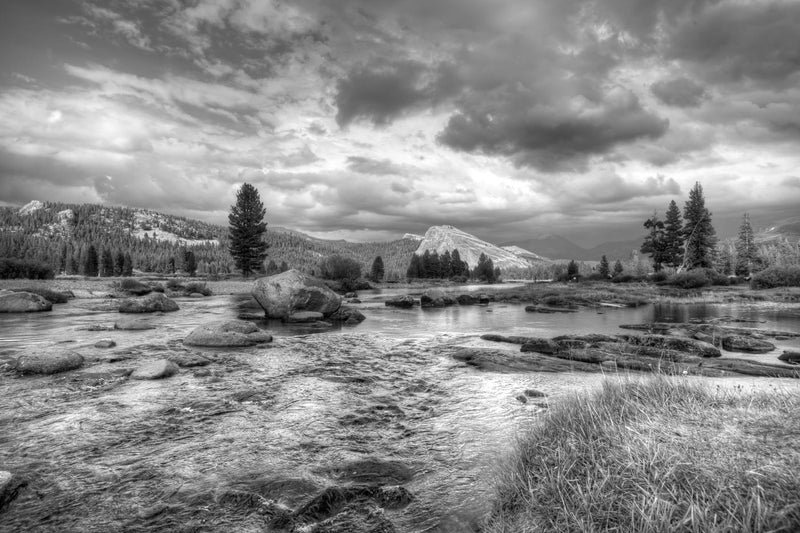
679	92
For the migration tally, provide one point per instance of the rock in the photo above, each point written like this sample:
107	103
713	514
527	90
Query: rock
349	315
371	471
790	357
196	295
135	287
521	398
436	298
404	302
148	304
705	337
741	343
105	343
9	488
533	393
351	295
246	315
233	333
681	344
133	324
484	299
48	361
291	291
354	301
189	360
155	370
304	316
23	302
507	361
545	346
466	299
582	341
545	309
652	327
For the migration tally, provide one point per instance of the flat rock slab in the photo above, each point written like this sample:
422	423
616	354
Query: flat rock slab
681	344
189	360
232	333
304	316
105	343
133	324
23	302
156	370
741	343
151	303
48	361
404	302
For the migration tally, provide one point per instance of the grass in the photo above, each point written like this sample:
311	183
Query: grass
656	455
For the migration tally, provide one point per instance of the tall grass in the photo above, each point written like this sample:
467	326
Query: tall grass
656	455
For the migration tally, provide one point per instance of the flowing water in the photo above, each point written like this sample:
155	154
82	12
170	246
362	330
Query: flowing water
220	448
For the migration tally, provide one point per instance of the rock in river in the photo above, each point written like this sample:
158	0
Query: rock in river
405	302
741	343
148	304
232	333
790	357
48	361
133	324
9	487
23	302
285	293
349	315
155	370
105	343
436	298
304	316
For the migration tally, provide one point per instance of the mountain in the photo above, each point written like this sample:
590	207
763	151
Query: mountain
613	250
788	228
557	247
447	238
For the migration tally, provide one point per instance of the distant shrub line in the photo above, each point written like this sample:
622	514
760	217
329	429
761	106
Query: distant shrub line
12	268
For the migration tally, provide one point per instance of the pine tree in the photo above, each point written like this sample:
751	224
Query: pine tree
284	267
654	243
413	271
189	262
572	270
618	268
247	228
484	270
673	236
603	269
746	250
127	265
119	263
459	267
106	263
377	270
700	237
90	266
272	268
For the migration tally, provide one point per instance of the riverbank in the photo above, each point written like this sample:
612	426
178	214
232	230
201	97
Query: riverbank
656	455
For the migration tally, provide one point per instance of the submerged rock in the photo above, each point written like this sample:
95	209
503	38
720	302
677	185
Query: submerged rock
291	291
155	370
133	324
232	333
48	361
23	302
404	302
741	343
148	304
436	298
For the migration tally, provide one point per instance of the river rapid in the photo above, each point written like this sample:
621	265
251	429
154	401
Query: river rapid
259	431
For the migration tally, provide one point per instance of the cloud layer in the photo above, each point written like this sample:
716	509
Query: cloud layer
375	118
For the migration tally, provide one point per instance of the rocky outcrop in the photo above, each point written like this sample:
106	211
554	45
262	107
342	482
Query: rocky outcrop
793	358
546	309
436	298
466	299
9	488
403	302
291	291
233	333
23	302
151	303
48	361
681	344
160	369
742	343
348	315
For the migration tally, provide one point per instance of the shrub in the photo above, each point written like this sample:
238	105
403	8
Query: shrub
135	286
659	276
52	296
174	285
157	287
13	268
338	267
690	279
197	286
776	276
625	278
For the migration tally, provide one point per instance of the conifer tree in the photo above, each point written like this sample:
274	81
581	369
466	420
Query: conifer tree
673	236
618	268
377	270
247	228
572	269
413	271
127	265
90	267
603	269
284	267
655	243
119	263
189	262
272	268
106	263
700	237
746	250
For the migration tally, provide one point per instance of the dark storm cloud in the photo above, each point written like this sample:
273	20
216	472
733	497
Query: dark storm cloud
547	137
679	92
381	92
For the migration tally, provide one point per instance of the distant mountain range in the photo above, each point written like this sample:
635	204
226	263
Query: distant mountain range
787	228
560	248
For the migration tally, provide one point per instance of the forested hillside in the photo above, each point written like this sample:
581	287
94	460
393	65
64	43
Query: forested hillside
60	235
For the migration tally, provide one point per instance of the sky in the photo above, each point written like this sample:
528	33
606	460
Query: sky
367	119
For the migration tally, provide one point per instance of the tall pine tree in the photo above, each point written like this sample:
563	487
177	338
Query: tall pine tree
247	228
654	242
673	236
700	237
377	271
746	250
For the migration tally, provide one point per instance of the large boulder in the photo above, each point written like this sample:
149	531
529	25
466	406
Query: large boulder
148	304
23	302
405	302
48	361
233	333
436	298
283	294
160	369
349	315
742	343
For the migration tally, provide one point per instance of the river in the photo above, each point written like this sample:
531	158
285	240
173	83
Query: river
378	402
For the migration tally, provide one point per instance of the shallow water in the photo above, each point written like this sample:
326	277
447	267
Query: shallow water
282	421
